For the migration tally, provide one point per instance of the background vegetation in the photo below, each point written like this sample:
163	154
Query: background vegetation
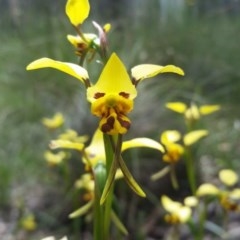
199	36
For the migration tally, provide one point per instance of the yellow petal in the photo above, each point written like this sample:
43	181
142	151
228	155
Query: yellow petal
170	205
107	27
207	189
235	194
69	68
208	109
184	213
143	71
228	177
170	136
55	122
95	151
114	79
72	135
192	113
142	142
194	136
191	201
77	11
177	107
54	158
77	40
66	144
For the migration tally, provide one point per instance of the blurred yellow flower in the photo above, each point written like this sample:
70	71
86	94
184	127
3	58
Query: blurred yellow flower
228	197
86	44
55	122
174	151
193	112
86	182
28	222
177	212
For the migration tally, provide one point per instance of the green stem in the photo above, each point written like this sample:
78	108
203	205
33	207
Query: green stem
191	171
110	154
173	177
98	217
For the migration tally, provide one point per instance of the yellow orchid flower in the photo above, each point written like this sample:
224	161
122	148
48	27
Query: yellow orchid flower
193	112
228	198
77	11
90	42
112	96
86	44
177	212
28	222
86	182
55	122
174	151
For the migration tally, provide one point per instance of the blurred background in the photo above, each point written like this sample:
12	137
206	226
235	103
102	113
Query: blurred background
200	36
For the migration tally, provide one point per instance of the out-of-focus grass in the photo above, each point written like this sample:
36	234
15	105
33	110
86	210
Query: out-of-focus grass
206	48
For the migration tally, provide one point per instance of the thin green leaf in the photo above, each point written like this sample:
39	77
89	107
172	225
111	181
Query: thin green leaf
129	178
118	223
109	182
82	210
160	173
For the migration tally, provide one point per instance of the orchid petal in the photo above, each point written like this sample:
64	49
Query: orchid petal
95	151
191	201
178	107
194	136
184	213
170	136
235	193
207	189
170	205
113	80
69	68
77	11
142	142
66	144
228	177
143	71
208	109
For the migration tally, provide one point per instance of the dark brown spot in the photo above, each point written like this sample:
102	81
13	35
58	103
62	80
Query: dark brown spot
124	123
124	94
108	126
98	95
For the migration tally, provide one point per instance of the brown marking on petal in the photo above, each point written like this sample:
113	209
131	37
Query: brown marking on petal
108	126
124	123
98	95
124	94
